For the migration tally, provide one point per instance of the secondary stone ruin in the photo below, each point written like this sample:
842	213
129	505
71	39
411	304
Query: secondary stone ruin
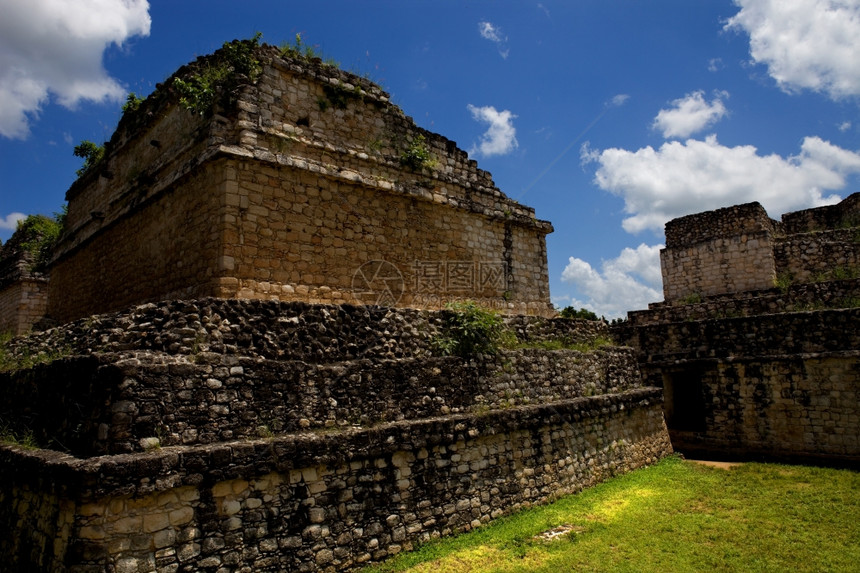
756	345
247	374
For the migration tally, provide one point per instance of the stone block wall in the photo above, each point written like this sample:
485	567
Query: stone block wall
295	191
285	436
777	386
817	256
113	405
314	502
716	252
214	329
826	330
200	372
23	289
165	248
740	249
844	214
22	304
804	407
798	297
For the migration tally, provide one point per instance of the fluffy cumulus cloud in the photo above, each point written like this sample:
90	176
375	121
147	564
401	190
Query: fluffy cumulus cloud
805	44
690	114
629	281
494	34
681	178
10	221
501	137
55	47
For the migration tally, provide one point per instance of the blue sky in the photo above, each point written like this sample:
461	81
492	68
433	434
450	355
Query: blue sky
608	117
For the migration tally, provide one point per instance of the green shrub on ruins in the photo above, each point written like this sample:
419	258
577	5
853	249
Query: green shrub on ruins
39	236
199	91
839	273
299	50
469	330
417	155
844	273
91	153
12	360
783	281
132	102
692	298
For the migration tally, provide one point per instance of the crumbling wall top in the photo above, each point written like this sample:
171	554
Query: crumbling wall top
726	222
297	112
844	214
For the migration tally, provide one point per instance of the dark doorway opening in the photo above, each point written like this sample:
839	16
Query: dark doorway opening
684	401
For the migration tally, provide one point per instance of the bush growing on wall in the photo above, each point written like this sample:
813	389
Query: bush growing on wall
199	91
91	153
40	234
469	330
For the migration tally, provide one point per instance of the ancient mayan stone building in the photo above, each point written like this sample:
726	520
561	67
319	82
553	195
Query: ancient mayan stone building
278	406
757	342
740	249
306	184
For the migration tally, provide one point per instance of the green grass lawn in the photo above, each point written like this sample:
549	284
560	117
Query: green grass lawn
675	516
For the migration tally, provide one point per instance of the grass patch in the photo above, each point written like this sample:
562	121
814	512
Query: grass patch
783	282
692	298
24	440
564	344
24	357
675	516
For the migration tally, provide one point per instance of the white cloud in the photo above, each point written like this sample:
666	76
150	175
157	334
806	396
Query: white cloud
627	282
690	114
494	34
500	138
55	47
715	64
618	100
844	126
805	44
682	178
10	221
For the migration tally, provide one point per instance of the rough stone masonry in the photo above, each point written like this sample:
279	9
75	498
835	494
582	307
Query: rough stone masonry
245	375
306	184
756	345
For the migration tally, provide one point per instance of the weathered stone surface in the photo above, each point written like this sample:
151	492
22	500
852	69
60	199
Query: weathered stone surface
374	365
278	196
258	429
740	249
511	458
771	373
